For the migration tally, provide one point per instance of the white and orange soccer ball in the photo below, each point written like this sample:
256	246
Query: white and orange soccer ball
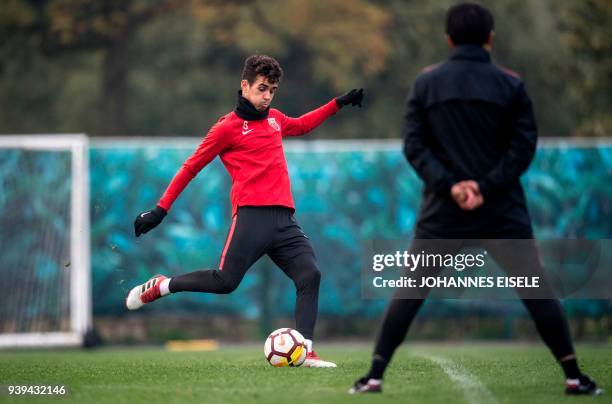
285	347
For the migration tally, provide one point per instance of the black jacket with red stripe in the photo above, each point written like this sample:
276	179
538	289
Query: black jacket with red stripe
470	119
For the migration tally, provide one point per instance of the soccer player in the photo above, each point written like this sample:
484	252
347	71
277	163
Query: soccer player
470	133
249	142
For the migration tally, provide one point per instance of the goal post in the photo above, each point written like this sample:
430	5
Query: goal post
45	240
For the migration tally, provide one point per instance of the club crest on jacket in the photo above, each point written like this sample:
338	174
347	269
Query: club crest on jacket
273	124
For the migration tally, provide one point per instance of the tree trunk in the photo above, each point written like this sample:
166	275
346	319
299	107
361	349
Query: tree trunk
114	116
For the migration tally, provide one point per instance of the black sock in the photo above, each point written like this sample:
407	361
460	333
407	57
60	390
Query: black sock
570	367
379	364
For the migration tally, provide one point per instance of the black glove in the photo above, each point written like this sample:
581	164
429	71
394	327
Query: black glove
353	97
148	220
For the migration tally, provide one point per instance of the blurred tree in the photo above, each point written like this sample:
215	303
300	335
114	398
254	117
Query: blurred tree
171	66
526	41
336	50
587	29
340	41
107	26
325	46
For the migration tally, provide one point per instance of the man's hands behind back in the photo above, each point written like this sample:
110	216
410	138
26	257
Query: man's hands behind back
467	195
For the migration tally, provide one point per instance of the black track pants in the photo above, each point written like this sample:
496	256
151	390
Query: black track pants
547	314
255	231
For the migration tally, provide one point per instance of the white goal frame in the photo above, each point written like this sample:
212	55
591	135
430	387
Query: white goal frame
80	261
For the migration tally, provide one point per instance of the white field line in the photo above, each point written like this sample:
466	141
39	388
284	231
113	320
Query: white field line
474	390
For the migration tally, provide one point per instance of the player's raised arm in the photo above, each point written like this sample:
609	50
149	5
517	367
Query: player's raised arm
309	121
212	145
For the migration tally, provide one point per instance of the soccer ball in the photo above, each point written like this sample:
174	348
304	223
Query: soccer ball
285	347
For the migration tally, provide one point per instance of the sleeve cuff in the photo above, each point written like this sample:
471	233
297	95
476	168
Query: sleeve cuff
333	105
163	206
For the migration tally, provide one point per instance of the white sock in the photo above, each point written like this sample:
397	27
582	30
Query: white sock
374	382
164	287
308	343
572	382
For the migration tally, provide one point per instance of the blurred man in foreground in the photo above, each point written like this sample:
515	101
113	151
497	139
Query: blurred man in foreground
470	133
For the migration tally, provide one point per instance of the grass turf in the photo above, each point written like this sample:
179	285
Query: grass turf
457	373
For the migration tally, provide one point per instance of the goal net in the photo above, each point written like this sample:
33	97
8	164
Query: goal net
45	295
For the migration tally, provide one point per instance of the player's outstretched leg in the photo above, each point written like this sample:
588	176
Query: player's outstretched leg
551	324
399	315
147	292
206	280
393	330
547	313
246	242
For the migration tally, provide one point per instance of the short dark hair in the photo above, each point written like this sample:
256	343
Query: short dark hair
261	65
469	23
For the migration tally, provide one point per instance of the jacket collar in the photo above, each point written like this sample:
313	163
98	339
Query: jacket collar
245	110
470	52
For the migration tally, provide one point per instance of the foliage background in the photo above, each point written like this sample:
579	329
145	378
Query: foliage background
343	200
158	67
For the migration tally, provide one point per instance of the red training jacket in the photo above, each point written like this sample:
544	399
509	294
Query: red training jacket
252	152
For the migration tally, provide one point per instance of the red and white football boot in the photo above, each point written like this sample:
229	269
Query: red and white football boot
145	293
313	361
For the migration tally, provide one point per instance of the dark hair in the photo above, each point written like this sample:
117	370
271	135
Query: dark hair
261	65
469	23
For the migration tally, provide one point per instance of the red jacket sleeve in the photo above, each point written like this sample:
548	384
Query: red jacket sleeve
309	121
213	144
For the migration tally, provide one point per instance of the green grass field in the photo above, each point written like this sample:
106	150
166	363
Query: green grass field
453	373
